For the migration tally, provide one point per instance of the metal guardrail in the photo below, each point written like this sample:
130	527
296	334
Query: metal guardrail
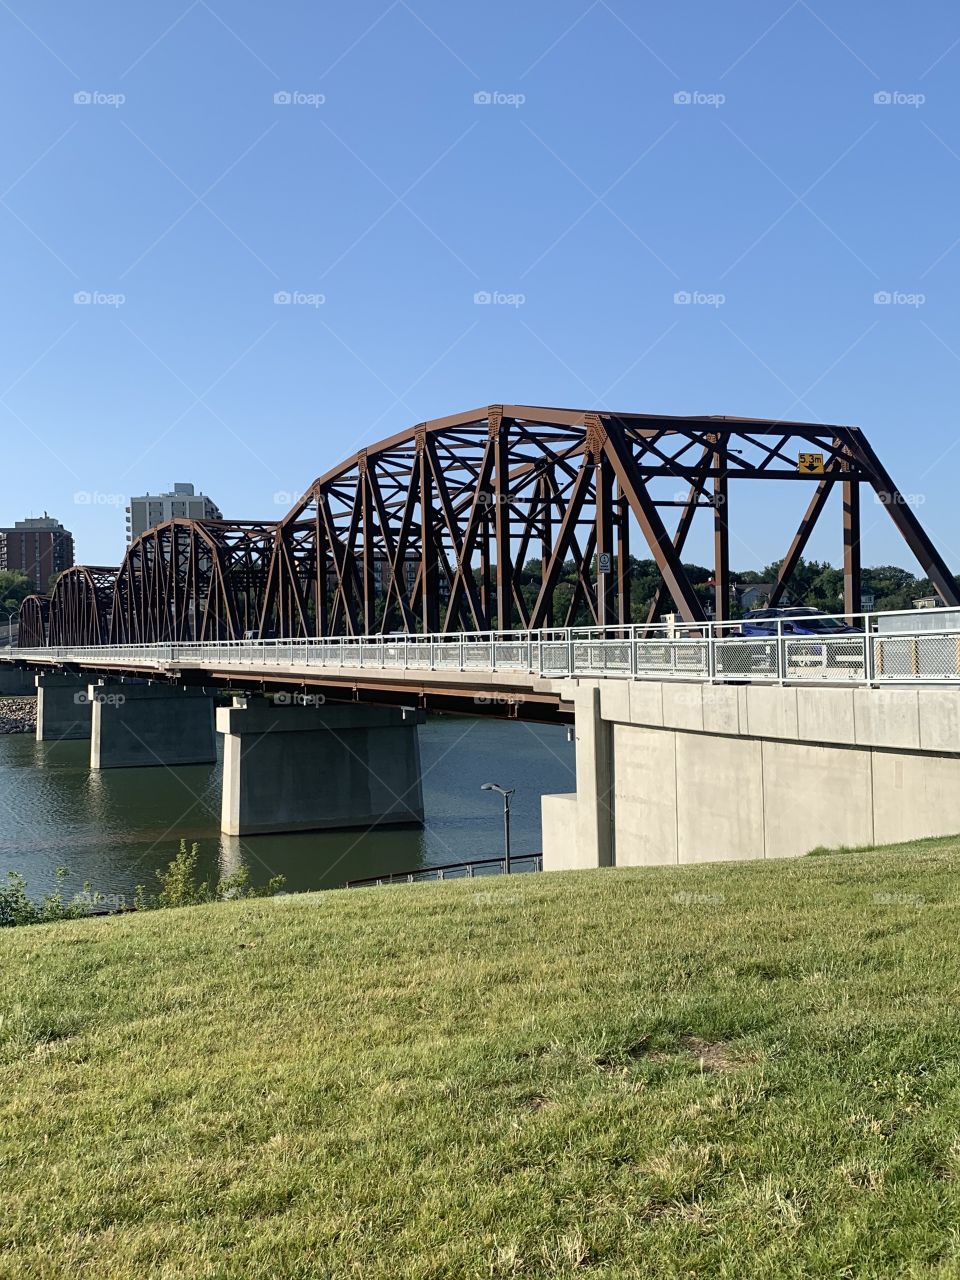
475	869
910	646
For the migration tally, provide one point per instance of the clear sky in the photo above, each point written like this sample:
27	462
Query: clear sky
182	194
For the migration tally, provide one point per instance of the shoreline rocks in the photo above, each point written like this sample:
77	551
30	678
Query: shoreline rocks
18	715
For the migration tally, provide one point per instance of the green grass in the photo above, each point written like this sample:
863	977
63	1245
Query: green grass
746	1071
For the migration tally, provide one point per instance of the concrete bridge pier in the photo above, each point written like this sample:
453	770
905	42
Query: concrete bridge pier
133	724
16	683
310	768
63	708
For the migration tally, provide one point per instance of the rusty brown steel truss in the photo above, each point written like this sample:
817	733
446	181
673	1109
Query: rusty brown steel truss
435	528
193	580
32	624
80	606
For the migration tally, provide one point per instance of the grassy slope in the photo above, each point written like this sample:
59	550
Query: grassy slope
465	1080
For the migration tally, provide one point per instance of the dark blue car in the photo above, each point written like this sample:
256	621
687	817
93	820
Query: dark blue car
797	621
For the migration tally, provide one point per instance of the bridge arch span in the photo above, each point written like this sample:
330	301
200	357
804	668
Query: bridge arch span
499	518
192	580
32	624
80	605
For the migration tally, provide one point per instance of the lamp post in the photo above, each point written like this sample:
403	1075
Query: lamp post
492	786
10	616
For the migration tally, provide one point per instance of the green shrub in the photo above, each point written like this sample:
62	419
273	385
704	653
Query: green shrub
17	908
181	886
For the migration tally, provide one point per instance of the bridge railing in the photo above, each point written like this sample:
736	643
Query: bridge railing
909	646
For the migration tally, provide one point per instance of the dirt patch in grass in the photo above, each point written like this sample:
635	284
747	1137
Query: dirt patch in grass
713	1056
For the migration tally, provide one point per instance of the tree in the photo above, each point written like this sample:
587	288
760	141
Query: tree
14	588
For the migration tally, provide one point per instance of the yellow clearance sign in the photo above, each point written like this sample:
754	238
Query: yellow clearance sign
810	464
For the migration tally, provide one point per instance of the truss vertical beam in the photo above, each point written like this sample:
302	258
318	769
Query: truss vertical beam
500	434
721	540
603	490
623	559
851	547
429	563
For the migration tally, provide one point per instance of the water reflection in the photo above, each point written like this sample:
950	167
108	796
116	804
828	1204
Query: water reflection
115	829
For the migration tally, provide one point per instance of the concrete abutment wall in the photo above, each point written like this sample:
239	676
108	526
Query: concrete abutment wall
684	773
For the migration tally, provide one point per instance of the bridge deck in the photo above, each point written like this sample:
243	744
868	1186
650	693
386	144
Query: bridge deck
502	671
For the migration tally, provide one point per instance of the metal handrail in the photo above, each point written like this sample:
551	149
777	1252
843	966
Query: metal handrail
442	872
889	647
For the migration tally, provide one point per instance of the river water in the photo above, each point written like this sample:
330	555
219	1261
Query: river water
116	828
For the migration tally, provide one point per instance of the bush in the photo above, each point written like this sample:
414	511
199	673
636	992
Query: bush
16	908
181	886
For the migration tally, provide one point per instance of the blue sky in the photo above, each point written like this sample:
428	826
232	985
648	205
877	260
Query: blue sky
781	194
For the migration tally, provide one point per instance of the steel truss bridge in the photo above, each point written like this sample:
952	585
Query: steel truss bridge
431	532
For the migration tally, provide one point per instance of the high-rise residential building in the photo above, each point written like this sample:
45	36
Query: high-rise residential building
155	508
40	547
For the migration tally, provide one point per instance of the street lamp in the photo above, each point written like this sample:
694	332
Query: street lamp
492	786
11	615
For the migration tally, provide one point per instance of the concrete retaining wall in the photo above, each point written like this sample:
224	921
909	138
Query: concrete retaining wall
675	773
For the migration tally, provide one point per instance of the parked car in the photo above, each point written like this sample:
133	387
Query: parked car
796	621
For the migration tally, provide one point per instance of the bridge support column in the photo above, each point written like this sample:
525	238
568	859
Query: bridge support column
16	683
63	709
313	768
149	724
